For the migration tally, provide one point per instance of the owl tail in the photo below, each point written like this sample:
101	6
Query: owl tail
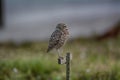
49	49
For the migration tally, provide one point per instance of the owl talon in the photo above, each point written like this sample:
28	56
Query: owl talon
61	60
61	57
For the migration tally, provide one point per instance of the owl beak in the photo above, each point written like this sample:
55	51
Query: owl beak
66	28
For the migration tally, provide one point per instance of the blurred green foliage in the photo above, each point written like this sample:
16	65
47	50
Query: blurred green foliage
92	60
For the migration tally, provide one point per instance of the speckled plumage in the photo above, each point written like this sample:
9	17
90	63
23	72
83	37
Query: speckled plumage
58	37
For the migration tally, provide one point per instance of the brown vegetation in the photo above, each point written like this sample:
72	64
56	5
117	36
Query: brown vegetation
113	32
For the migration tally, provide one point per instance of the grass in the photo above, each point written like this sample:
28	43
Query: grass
92	60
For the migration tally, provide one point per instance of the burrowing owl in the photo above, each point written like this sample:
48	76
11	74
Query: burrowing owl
58	37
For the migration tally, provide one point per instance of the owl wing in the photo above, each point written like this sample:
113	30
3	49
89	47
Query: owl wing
54	40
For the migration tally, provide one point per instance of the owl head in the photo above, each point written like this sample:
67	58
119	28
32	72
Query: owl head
61	26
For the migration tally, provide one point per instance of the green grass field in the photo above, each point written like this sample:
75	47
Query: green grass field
92	60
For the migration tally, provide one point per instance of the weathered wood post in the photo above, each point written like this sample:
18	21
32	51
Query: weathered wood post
66	61
68	66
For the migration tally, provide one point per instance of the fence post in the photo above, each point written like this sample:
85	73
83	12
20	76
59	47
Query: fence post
68	66
66	61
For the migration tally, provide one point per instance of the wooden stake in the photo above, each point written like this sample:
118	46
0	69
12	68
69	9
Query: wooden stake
68	66
66	60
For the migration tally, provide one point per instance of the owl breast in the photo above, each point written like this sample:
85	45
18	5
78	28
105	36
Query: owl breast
62	40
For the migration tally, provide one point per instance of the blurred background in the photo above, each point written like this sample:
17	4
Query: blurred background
35	20
94	27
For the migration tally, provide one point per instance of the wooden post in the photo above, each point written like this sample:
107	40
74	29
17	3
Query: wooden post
66	60
68	66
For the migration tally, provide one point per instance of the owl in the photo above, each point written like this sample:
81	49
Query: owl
58	38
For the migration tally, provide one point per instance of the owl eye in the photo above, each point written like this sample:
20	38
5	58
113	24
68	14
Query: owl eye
64	26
